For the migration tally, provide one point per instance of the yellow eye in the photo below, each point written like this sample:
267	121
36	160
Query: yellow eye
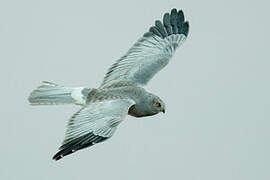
157	104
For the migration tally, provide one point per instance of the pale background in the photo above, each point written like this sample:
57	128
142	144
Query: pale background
216	89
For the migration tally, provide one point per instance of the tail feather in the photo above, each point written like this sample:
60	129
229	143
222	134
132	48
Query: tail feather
50	93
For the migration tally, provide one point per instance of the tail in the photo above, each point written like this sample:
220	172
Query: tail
52	94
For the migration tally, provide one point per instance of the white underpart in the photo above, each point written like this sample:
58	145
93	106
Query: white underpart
78	96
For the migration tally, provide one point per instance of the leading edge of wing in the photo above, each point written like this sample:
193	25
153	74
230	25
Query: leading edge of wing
151	52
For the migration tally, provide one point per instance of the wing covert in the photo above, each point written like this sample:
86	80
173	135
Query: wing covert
150	53
93	124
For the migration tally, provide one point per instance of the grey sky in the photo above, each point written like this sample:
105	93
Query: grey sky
216	89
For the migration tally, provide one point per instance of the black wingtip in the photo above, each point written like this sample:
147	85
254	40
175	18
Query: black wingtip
173	23
185	28
79	143
57	156
181	17
62	153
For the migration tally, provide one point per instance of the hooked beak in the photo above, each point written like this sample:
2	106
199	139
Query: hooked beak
163	109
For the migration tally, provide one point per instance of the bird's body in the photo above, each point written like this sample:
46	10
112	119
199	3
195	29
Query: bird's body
125	90
121	92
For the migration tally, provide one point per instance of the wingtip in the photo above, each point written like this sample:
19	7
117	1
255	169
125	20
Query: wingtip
186	28
62	153
181	17
173	10
173	23
57	156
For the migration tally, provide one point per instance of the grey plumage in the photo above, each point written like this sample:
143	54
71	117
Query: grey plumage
155	30
53	94
161	28
150	53
167	24
121	93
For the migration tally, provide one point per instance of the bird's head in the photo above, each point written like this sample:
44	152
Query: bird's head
148	105
158	105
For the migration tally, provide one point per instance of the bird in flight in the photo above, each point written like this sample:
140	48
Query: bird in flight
121	93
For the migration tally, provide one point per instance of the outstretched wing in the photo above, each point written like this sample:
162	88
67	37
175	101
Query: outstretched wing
150	53
93	124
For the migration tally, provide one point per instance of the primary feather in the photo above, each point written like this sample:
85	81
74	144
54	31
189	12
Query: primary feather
150	53
121	92
93	124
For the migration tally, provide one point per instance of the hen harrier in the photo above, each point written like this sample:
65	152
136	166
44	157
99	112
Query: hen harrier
121	92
